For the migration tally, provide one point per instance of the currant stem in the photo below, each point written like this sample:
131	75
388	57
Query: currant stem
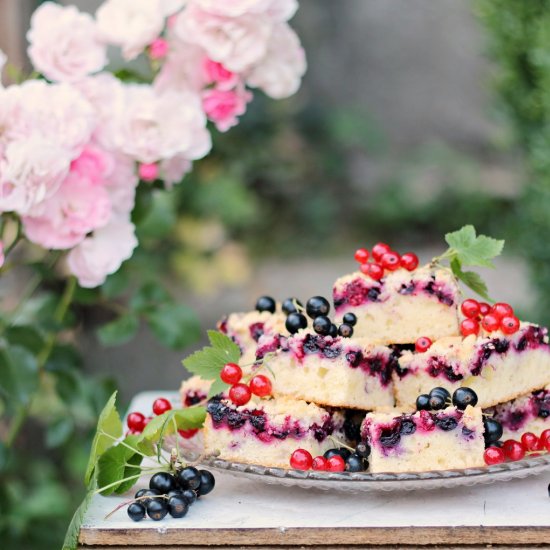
340	444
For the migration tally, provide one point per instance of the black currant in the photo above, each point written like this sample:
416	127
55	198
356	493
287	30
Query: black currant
363	450
190	495
321	325
493	431
163	482
189	478
266	303
317	305
423	402
175	493
354	463
136	511
178	506
157	509
333	331
289	306
463	397
294	322
343	452
439	398
207	483
345	330
350	319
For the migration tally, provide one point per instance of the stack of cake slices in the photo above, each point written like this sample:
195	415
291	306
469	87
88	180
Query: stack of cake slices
327	388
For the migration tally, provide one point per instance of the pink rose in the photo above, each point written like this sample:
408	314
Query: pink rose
236	42
148	172
121	185
94	164
30	172
102	253
224	106
173	170
216	73
158	49
233	8
64	43
62	221
280	72
155	126
131	24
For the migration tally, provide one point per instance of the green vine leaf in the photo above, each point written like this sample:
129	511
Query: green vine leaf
209	361
473	250
470	279
109	429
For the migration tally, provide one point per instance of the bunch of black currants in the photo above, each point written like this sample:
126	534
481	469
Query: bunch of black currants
171	494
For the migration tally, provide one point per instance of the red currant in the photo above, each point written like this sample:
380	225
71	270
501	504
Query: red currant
136	421
301	459
545	435
390	260
484	308
187	434
319	463
161	405
422	344
240	394
260	385
374	271
336	464
509	324
469	326
513	450
530	442
409	261
545	444
379	249
231	373
470	308
493	455
500	309
490	322
361	255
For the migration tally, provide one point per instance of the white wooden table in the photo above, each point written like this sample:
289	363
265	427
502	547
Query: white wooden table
241	513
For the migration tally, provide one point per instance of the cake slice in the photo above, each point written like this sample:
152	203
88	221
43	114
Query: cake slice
528	413
498	367
402	306
245	329
424	441
336	372
268	431
194	390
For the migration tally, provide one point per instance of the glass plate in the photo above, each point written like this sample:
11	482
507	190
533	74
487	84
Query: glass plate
361	481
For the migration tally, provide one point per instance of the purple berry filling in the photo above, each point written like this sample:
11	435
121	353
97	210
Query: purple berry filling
256	331
271	344
388	436
516	417
192	397
361	291
227	417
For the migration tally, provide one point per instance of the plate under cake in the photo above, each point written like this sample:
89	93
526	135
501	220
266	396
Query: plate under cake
498	367
245	329
424	441
402	306
528	413
330	371
268	431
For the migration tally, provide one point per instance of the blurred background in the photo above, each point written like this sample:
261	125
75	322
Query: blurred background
415	117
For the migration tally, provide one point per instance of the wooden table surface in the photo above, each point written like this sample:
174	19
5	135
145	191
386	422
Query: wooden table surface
243	513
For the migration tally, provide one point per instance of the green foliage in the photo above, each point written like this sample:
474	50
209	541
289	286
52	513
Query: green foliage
519	43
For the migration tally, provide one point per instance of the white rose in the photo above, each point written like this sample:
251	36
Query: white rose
233	8
156	126
64	43
32	170
102	253
236	42
131	24
280	72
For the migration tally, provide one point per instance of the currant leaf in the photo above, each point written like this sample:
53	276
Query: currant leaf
474	250
470	279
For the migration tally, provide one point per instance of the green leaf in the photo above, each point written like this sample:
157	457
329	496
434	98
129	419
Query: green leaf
176	326
116	284
73	531
26	337
112	468
217	387
109	428
474	250
18	374
119	331
208	362
149	297
59	432
470	279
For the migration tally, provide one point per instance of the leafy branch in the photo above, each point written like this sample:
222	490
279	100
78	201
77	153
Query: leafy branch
471	250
